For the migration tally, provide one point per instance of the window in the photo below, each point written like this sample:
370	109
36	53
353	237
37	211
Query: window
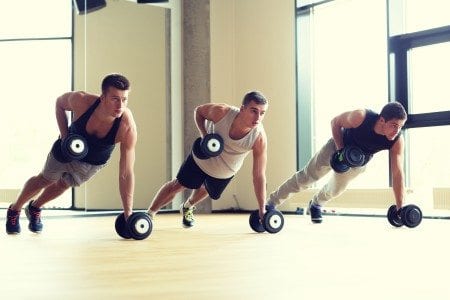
419	50
346	70
36	60
422	15
429	165
428	71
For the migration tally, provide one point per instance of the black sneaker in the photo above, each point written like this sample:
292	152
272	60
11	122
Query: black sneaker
34	216
315	211
12	221
188	216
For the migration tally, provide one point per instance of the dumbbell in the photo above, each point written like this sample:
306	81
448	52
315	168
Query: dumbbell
348	157
74	147
138	226
409	215
273	221
210	145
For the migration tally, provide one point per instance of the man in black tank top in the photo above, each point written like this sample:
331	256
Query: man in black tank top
103	121
369	131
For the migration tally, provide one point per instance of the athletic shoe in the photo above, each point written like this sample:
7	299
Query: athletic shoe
188	216
12	221
315	211
34	216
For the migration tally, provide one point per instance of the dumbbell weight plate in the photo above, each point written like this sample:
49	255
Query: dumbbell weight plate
254	222
77	146
140	225
337	165
121	227
74	147
393	218
354	156
212	144
411	215
273	221
196	149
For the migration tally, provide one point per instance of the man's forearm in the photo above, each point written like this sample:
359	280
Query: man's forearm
399	192
126	187
260	191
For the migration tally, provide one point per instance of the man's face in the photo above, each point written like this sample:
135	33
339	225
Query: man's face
115	101
253	113
392	128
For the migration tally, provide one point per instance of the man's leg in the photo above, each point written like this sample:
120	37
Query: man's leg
51	192
31	188
335	187
188	207
33	209
317	167
164	196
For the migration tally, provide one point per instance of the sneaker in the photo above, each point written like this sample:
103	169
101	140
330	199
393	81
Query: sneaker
34	216
12	221
315	211
188	216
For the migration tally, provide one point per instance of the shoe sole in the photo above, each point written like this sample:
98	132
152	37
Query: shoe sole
12	232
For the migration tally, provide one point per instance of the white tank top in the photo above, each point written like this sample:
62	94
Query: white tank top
234	152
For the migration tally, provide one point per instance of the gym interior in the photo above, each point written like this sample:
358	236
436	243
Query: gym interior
312	60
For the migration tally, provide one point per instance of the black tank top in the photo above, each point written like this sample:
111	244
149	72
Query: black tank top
365	137
99	149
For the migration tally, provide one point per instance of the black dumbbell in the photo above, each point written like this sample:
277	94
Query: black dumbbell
348	157
210	145
138	226
74	147
409	215
273	221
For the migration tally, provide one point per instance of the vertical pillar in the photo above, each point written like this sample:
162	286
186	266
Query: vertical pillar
196	64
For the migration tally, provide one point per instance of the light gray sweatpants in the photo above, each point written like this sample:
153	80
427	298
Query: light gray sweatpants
317	167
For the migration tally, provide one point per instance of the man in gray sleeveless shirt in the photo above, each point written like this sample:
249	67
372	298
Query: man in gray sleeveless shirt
242	132
369	131
103	121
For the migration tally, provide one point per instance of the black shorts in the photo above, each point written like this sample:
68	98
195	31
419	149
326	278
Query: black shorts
192	177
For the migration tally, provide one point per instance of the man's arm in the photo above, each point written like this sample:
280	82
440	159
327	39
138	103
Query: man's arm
210	111
75	102
259	171
126	168
349	119
64	103
396	155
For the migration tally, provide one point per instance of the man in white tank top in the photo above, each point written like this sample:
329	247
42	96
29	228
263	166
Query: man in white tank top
242	132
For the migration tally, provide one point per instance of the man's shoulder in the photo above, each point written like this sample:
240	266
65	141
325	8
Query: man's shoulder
82	99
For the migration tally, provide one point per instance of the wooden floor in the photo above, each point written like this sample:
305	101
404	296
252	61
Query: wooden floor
221	258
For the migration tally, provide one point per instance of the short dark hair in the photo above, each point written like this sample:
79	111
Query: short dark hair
393	110
118	81
254	96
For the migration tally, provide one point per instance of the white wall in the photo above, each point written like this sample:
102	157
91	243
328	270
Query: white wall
253	47
130	39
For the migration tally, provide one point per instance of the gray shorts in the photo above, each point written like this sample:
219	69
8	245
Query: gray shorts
73	173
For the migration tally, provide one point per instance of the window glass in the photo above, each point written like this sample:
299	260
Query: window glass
35	19
36	67
429	166
421	15
428	73
350	71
